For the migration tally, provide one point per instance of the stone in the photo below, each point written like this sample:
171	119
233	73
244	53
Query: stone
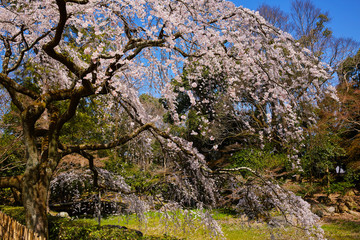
63	215
331	209
319	210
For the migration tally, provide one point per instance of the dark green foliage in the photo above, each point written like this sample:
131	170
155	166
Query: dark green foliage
114	233
84	126
5	196
321	155
347	182
258	159
321	161
55	225
12	151
139	180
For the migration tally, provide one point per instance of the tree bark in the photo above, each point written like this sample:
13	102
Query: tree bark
35	192
37	176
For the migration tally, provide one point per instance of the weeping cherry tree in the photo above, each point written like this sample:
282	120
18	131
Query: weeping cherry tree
54	54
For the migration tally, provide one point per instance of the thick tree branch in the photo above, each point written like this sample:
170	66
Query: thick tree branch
90	158
74	102
122	140
49	48
12	182
15	99
8	53
9	83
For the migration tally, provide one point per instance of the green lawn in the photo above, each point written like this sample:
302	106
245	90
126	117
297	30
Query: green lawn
342	230
233	228
183	227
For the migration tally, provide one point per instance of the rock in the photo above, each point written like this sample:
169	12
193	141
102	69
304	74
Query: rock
63	215
319	210
331	209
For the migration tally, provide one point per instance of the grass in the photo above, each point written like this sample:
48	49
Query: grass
341	230
176	224
182	226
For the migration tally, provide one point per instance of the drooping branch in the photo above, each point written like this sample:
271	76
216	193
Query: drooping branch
98	186
154	130
90	158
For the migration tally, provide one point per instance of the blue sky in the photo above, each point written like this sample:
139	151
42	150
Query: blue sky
344	14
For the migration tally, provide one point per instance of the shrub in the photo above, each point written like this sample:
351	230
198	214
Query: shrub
18	213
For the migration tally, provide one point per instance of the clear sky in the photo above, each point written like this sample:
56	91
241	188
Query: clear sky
344	14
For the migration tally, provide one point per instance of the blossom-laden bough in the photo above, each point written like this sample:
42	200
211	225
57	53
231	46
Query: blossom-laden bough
55	54
261	199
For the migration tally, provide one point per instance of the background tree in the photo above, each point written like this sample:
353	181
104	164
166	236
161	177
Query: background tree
275	16
308	24
11	149
349	112
59	57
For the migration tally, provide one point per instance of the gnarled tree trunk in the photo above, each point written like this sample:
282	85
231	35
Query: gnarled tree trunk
35	192
42	159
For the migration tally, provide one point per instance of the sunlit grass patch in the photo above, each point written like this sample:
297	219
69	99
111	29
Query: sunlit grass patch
341	229
178	225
